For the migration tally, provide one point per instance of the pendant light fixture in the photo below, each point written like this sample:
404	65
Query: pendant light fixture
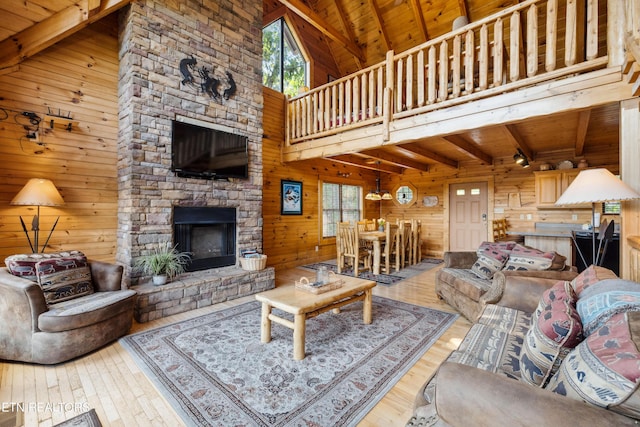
378	194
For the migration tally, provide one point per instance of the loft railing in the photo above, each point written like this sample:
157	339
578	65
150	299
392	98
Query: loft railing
535	41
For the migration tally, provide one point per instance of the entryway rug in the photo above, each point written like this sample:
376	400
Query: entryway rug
382	278
86	419
215	371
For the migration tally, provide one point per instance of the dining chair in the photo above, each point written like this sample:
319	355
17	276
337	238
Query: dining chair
350	249
391	250
365	225
416	230
406	239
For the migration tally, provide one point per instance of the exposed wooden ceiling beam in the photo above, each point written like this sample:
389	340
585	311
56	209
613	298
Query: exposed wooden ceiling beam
276	13
514	137
469	148
342	16
417	149
316	20
40	36
361	162
388	157
375	11
417	11
581	133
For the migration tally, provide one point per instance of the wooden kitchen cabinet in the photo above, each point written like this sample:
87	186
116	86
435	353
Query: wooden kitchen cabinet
550	185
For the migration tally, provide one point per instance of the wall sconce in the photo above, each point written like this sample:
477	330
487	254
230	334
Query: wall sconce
521	159
38	192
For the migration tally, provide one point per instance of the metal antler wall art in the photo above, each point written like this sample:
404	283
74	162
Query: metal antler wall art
206	82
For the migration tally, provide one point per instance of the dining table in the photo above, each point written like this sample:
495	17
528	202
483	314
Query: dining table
377	238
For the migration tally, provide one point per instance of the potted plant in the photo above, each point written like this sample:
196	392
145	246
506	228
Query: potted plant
165	262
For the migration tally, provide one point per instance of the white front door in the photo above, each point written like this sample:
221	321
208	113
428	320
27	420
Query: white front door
467	215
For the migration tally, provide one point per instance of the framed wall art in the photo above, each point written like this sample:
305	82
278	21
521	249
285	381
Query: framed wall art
291	197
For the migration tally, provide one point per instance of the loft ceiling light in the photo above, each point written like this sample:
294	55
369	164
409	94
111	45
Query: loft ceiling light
378	194
38	192
521	159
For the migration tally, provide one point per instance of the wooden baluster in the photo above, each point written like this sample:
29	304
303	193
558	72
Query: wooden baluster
355	111
409	84
334	112
341	105
455	65
318	101
432	76
347	102
592	29
327	107
552	35
399	76
514	54
380	89
498	57
469	61
363	97
571	42
483	64
372	94
532	41
421	78
443	80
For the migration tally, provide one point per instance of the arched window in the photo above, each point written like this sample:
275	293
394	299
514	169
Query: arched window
284	67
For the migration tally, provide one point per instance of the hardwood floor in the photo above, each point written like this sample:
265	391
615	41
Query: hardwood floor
111	382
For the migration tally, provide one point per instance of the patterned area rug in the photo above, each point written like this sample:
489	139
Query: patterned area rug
87	419
216	372
382	279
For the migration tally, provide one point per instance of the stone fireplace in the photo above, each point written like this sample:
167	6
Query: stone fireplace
223	37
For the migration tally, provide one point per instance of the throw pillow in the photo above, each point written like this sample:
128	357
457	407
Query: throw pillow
590	276
525	258
62	279
600	301
490	260
604	369
24	265
550	338
561	291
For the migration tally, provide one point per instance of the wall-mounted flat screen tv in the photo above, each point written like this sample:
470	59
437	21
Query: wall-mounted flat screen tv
204	152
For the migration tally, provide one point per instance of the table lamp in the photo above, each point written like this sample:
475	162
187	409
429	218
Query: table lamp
596	186
38	192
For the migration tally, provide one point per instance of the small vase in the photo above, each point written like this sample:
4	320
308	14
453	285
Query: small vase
381	228
159	280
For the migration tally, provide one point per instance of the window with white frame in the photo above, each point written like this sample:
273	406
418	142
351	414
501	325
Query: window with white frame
340	203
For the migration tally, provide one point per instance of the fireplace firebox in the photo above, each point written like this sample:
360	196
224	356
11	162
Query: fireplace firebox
208	233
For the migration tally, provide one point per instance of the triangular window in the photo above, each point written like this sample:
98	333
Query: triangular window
280	51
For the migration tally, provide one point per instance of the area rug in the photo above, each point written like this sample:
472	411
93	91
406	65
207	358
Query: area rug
86	419
215	371
382	278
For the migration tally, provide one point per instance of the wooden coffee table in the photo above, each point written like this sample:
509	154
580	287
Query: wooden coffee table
305	305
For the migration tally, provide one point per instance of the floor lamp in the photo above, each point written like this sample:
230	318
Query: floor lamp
38	192
596	186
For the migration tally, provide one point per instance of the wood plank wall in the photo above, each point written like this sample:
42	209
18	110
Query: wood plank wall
78	75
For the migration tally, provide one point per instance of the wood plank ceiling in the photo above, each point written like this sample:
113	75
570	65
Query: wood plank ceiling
358	33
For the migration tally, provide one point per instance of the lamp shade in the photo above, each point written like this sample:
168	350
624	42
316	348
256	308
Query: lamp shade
38	192
596	185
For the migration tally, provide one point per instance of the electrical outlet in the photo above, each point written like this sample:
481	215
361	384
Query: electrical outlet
529	217
521	216
574	217
317	248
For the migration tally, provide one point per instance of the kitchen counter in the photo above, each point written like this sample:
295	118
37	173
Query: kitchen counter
550	237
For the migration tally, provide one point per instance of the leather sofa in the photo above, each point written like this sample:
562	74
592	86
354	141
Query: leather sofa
468	293
37	330
511	369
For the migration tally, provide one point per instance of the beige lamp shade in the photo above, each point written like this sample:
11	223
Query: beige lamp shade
596	185
38	192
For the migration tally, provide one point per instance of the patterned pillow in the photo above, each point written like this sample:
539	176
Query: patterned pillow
550	338
603	299
62	279
604	369
490	260
591	276
524	258
561	291
24	265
